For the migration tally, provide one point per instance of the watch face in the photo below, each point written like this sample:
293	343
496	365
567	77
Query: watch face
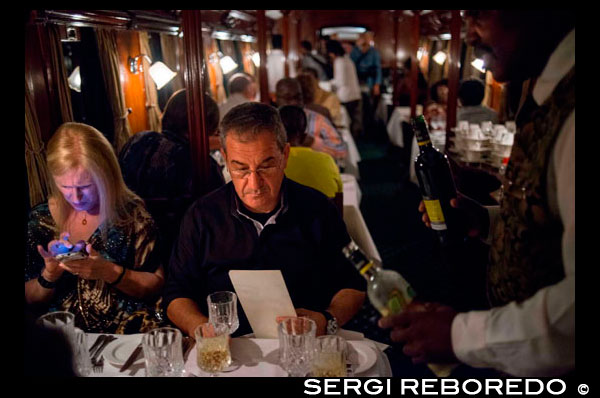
332	326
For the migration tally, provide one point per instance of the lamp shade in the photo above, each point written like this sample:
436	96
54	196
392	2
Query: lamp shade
478	64
227	64
161	74
440	57
256	59
75	80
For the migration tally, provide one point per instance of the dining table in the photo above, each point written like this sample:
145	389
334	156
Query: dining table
252	357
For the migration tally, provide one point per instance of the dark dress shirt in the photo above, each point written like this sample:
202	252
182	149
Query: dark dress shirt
305	242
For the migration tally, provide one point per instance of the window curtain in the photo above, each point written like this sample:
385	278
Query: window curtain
109	60
59	74
152	108
171	47
35	155
249	66
215	74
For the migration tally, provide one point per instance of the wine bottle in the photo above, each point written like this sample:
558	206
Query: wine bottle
436	182
387	290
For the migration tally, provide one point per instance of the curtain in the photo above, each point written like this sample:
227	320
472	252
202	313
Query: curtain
35	158
171	47
109	60
59	74
152	108
215	74
247	60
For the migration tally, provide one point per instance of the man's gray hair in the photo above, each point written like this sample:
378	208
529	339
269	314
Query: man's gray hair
250	119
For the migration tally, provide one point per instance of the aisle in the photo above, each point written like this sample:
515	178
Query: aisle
389	207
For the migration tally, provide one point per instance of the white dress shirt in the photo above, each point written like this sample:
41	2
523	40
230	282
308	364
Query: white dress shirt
275	68
537	336
345	79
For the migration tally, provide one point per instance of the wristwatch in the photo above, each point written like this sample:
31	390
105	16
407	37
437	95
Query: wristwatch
332	324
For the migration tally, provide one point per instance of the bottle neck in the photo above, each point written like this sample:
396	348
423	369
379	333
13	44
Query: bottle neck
369	270
422	133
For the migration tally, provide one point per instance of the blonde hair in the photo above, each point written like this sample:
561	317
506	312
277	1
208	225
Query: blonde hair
80	145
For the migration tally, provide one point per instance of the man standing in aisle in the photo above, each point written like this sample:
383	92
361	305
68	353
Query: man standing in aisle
530	328
261	220
368	67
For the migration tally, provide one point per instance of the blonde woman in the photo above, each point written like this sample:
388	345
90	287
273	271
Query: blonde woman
115	289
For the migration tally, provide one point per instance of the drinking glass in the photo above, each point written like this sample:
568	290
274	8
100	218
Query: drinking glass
81	354
330	357
64	323
163	353
212	347
296	345
222	309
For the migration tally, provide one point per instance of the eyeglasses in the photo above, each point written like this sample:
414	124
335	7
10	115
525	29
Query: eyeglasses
262	172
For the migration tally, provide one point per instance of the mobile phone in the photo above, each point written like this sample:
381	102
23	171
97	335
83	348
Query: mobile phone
70	256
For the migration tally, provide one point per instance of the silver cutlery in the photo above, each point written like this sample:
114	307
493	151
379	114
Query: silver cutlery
99	339
135	355
96	359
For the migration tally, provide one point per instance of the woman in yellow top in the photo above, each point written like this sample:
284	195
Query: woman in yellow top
306	166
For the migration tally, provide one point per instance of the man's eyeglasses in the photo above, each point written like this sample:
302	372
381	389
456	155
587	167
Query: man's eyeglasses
261	171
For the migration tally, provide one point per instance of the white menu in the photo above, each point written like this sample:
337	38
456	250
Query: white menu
263	296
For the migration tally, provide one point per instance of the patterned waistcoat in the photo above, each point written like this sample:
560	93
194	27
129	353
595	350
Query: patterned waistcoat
526	254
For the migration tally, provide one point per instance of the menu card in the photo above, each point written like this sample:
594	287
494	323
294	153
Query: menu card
263	296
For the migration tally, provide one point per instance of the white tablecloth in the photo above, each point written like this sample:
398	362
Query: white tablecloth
394	126
355	223
259	356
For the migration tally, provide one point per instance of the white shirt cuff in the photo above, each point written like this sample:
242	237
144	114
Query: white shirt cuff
468	336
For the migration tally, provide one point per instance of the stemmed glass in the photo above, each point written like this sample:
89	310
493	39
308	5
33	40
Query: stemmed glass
296	345
212	348
222	310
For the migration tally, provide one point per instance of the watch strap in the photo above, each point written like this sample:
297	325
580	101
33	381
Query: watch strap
46	283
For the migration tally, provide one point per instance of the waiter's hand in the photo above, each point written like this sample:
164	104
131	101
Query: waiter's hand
318	317
426	334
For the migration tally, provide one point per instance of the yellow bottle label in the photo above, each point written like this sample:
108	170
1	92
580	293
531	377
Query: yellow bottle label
396	302
435	214
366	267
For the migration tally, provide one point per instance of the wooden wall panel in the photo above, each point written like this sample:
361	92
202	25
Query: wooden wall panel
38	78
128	44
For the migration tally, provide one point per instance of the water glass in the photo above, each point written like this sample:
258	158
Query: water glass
81	354
330	357
222	309
163	353
212	347
61	321
296	345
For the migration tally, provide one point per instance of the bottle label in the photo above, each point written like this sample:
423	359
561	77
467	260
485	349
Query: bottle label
435	214
367	267
396	302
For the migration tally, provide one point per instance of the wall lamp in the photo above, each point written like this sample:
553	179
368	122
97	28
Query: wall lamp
160	73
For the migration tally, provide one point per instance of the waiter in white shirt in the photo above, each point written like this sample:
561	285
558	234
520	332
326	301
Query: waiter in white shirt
530	328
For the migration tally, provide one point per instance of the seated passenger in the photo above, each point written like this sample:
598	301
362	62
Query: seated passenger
115	289
241	89
158	166
327	99
261	221
470	95
308	85
326	138
311	168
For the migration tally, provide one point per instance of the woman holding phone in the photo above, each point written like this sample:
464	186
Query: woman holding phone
91	249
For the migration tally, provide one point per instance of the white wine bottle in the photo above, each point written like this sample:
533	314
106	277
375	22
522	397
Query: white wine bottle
387	290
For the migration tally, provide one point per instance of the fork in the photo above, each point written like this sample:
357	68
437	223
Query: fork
97	359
